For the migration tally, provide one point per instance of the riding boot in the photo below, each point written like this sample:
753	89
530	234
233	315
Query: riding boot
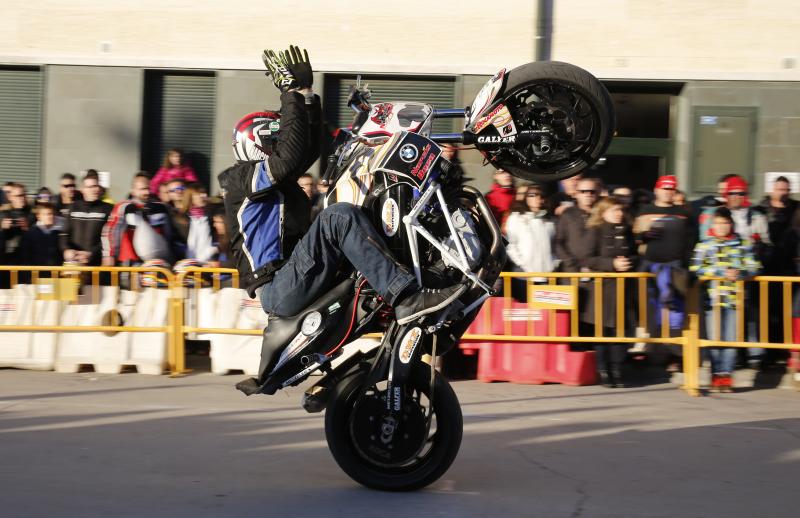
605	379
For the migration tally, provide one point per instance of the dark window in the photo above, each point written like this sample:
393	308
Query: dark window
179	113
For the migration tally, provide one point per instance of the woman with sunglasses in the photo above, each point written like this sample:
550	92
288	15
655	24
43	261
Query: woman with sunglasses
530	233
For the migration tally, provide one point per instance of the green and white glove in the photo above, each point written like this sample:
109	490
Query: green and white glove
296	60
282	76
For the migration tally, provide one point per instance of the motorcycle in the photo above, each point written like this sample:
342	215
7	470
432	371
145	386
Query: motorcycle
392	422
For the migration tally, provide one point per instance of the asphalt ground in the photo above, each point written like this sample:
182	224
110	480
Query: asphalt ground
136	445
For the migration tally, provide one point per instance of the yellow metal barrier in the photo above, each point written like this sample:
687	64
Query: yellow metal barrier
114	274
689	340
692	372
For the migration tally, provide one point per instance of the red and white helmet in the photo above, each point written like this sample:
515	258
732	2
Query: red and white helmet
254	135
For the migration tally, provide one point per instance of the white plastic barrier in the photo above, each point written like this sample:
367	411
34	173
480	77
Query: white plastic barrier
28	350
110	352
148	351
231	308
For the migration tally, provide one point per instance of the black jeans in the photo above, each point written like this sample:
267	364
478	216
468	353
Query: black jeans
340	237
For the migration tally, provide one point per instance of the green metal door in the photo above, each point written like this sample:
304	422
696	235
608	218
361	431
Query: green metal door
723	142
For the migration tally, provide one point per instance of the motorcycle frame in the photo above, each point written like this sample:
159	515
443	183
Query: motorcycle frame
415	229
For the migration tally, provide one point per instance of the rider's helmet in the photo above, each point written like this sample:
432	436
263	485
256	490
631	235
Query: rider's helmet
255	134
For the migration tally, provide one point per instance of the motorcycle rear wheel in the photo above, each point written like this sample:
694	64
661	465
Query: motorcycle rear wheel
570	100
431	463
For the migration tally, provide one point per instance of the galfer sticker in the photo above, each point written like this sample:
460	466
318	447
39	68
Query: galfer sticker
390	217
409	344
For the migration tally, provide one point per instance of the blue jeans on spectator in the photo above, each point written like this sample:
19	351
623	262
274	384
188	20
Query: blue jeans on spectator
341	234
723	359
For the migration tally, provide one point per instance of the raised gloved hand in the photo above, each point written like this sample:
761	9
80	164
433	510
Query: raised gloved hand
282	76
296	60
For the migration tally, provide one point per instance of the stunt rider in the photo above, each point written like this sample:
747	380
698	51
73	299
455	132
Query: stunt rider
281	258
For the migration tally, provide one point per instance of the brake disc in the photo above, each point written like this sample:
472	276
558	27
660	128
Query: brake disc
385	438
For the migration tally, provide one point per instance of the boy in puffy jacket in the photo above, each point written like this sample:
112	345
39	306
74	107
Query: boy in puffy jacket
722	253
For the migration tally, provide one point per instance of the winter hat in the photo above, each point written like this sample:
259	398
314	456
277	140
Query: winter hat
735	184
667	182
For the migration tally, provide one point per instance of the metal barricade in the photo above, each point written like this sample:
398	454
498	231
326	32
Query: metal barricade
182	284
763	283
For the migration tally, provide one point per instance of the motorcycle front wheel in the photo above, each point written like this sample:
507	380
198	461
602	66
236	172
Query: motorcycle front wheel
353	432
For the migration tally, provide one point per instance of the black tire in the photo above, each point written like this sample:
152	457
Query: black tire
447	439
583	83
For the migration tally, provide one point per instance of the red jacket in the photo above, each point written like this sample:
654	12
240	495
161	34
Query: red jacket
500	200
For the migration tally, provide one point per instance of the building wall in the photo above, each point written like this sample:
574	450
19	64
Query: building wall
778	127
92	119
655	39
665	39
411	36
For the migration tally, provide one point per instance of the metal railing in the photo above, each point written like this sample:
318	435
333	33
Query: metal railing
131	276
182	284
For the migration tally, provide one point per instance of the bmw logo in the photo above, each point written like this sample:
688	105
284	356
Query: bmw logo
408	153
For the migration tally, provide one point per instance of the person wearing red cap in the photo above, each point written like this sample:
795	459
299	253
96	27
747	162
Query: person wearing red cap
749	222
666	237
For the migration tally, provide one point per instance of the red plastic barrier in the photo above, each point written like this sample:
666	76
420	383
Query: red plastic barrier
483	325
532	363
794	356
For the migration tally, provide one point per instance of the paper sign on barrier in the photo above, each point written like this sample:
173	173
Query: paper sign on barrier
57	289
554	297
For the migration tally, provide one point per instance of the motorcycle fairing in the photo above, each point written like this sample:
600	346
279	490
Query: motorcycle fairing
302	353
386	119
486	96
409	156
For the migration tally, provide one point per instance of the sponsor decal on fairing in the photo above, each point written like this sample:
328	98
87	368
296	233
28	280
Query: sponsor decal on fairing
409	344
390	217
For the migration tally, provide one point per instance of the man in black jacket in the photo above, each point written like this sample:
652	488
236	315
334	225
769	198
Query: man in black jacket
280	257
79	240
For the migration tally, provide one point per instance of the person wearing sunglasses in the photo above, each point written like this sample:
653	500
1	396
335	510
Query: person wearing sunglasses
175	192
79	239
530	232
67	194
16	219
571	227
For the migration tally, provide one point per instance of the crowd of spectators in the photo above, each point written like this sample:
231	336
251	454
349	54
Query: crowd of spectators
583	227
166	218
588	227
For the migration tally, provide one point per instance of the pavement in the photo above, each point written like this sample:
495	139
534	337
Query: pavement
135	445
